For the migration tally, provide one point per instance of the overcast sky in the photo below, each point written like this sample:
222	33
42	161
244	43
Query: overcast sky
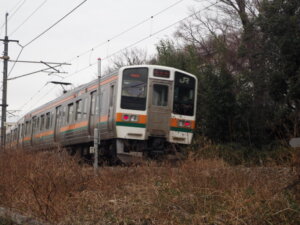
91	25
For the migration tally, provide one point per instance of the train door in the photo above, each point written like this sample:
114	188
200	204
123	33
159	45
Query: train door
159	108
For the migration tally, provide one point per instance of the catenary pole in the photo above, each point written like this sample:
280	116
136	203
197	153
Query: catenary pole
98	120
4	88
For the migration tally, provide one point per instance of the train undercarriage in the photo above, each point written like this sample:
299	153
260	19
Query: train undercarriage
124	151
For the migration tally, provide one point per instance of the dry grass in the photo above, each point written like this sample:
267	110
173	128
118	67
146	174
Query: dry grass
53	187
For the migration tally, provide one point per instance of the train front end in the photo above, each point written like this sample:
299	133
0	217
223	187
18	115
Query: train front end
155	109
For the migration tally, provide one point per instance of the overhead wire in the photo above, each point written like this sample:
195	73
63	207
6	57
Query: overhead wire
13	13
125	31
114	37
49	28
32	14
129	46
19	7
142	39
33	96
38	36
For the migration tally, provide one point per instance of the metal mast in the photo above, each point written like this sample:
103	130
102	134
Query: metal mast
4	90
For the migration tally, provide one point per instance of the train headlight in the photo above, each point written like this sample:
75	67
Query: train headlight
134	118
125	117
187	124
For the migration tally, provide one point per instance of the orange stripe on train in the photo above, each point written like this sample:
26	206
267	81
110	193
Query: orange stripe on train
74	126
141	118
174	122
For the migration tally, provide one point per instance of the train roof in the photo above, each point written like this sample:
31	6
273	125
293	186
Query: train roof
69	94
93	82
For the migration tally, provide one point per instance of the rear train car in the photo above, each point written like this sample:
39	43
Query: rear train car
144	111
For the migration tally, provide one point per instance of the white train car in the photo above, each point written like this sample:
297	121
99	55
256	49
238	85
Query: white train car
144	110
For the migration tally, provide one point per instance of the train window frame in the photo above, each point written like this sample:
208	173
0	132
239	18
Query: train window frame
111	94
38	123
34	122
184	94
47	120
52	116
23	130
78	110
129	99
84	108
70	112
63	118
160	95
27	127
93	103
42	122
58	116
19	131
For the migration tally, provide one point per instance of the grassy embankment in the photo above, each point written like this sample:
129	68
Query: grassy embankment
54	188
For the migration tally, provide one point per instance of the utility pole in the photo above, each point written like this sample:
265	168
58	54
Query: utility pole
4	90
97	129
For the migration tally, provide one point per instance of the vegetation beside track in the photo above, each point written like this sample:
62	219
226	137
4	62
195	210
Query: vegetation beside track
53	187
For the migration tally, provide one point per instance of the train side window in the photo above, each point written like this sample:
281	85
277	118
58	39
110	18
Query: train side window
78	114
19	131
93	102
58	116
63	115
84	111
26	128
47	120
37	123
34	122
23	130
111	95
51	118
30	127
70	113
42	122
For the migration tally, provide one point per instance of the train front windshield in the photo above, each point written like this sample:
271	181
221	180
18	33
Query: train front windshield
184	94
134	88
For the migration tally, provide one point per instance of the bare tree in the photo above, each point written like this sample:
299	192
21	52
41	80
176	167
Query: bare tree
128	57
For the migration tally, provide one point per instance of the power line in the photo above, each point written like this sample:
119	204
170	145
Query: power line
15	6
45	31
33	96
38	36
34	11
125	31
22	48
114	37
143	39
129	46
19	7
13	13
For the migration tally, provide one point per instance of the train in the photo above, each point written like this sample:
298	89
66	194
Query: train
139	110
